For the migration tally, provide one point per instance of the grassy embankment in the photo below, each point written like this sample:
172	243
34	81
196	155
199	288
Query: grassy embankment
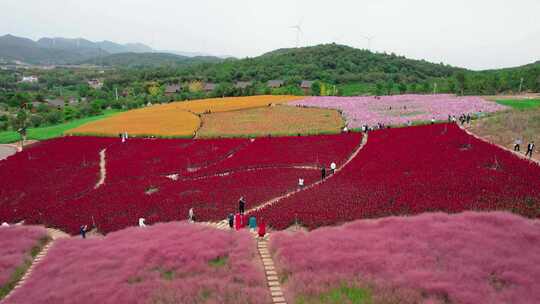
49	132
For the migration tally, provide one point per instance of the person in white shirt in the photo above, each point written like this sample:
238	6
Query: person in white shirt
517	145
333	167
141	222
301	182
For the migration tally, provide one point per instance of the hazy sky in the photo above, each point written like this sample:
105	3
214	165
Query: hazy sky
476	34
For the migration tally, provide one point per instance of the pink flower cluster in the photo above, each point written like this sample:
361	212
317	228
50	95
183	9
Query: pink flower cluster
431	258
400	109
164	263
16	243
413	170
53	183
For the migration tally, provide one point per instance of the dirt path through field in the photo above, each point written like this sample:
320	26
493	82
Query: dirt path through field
277	199
535	158
6	151
102	168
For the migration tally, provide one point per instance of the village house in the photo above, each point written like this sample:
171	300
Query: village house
95	84
209	87
172	89
242	84
274	84
306	86
30	79
59	102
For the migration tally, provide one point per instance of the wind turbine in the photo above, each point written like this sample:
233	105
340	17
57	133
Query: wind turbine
299	32
369	39
337	39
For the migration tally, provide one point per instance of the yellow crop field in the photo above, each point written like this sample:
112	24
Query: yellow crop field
280	120
177	119
232	103
155	121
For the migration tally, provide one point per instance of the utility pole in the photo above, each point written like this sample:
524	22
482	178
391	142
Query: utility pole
520	85
116	93
435	88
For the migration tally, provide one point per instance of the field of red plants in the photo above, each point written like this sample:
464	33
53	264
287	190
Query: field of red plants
165	263
469	257
413	170
53	182
15	248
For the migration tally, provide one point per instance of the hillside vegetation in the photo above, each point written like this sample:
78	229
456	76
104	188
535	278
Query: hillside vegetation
330	62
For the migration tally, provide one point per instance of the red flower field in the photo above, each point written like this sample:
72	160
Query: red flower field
54	182
413	170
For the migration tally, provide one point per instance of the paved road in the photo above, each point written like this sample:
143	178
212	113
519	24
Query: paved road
6	151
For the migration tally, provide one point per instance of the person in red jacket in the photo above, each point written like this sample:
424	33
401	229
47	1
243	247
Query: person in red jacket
262	228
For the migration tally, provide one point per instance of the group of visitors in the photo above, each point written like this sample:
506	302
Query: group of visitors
379	126
530	147
240	220
332	170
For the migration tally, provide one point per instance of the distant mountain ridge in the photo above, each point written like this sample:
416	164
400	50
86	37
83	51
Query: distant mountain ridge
58	50
138	60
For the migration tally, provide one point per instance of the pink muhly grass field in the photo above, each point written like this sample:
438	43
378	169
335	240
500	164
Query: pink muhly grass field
16	243
165	263
398	109
432	258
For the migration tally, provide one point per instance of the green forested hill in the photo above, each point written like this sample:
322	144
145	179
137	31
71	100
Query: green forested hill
329	63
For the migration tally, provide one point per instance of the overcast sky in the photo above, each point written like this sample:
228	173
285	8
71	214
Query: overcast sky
477	34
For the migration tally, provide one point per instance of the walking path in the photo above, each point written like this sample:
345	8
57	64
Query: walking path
6	151
518	154
272	278
176	177
54	234
277	199
102	168
271	275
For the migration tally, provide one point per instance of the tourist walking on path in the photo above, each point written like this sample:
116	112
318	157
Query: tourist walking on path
231	220
83	230
301	183
191	215
530	149
333	167
323	173
468	118
262	228
517	145
141	222
241	205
